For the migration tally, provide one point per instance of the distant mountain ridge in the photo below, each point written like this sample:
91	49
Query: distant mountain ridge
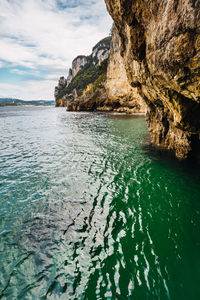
18	102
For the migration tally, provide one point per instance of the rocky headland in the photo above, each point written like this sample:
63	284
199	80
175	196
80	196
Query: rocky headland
160	48
84	72
99	82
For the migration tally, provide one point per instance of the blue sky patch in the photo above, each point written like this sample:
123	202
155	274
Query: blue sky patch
40	38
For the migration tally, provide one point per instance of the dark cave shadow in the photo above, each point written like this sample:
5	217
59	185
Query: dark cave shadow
189	167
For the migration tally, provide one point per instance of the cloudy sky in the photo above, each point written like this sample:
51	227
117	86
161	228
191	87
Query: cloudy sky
40	38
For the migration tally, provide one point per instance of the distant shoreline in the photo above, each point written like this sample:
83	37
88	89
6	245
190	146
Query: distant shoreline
21	105
27	103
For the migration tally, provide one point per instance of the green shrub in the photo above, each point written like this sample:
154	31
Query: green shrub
98	82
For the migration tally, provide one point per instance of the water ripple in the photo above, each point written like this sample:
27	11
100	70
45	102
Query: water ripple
89	212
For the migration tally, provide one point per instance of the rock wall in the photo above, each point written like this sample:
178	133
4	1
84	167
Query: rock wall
100	52
77	64
118	89
114	93
160	46
92	101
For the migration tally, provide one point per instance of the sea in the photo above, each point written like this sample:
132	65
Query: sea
90	209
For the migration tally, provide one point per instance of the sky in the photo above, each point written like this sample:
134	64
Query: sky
40	38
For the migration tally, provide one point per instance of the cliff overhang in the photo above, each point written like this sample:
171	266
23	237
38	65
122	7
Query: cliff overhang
160	47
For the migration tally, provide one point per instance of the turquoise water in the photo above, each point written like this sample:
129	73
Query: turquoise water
89	210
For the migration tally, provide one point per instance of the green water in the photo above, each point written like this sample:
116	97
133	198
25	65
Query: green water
89	210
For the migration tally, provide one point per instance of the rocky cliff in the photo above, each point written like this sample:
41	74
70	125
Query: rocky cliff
122	96
160	46
82	73
99	82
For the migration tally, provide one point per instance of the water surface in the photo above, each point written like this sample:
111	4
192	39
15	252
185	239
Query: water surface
88	210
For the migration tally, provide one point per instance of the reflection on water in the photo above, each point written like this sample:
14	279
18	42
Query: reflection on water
89	212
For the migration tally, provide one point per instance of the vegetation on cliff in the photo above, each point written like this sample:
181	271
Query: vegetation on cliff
90	73
93	82
86	70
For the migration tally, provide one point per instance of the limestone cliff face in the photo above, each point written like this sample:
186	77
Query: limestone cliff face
160	46
118	89
78	63
111	91
100	52
93	100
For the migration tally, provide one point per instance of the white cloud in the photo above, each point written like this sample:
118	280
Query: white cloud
31	90
17	71
40	34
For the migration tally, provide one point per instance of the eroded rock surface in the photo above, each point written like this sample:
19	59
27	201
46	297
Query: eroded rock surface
118	89
77	64
66	88
113	93
160	46
93	100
